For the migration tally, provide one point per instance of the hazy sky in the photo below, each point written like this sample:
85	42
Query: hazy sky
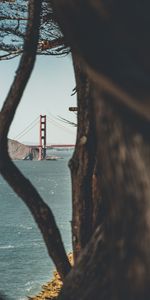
48	92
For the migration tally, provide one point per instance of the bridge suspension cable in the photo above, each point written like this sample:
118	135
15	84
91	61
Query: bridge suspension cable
55	123
52	122
50	118
27	129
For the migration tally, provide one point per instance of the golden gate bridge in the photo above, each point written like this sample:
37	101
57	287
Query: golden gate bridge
43	146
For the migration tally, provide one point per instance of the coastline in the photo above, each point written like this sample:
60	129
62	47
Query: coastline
51	289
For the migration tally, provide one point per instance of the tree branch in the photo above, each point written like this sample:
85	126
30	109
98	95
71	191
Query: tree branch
13	23
44	47
40	211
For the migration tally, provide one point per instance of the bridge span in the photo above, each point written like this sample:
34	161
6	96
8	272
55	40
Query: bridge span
52	146
42	147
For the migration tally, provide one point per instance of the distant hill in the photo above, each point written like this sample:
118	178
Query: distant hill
18	151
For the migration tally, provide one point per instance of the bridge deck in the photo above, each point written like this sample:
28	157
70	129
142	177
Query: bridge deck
54	146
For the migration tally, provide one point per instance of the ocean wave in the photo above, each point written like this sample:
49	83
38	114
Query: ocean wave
7	246
30	285
26	227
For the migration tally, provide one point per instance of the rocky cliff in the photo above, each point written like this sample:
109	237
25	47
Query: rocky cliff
19	151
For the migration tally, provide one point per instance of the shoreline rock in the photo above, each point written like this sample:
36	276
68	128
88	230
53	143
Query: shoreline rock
19	151
51	289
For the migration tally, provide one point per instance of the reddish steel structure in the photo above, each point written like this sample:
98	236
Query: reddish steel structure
42	144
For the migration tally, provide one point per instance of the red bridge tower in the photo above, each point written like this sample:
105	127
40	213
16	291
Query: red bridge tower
42	144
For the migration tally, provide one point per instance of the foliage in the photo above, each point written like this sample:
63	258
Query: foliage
13	22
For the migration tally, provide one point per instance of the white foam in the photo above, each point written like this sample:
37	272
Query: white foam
26	227
29	285
7	246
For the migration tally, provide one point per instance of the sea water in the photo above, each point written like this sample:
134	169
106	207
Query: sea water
24	261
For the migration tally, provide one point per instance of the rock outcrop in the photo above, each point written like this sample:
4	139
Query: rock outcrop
51	289
18	151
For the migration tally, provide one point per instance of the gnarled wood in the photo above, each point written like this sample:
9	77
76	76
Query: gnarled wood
112	37
40	211
82	163
115	265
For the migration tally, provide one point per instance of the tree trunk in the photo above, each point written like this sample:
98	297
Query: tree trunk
115	265
82	163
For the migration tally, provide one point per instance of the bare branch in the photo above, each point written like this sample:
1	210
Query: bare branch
40	211
13	23
14	31
11	55
45	47
13	18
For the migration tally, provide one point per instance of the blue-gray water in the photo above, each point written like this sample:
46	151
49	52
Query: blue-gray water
24	262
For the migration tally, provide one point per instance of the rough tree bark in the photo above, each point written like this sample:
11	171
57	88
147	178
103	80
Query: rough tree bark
40	211
115	265
82	163
112	37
